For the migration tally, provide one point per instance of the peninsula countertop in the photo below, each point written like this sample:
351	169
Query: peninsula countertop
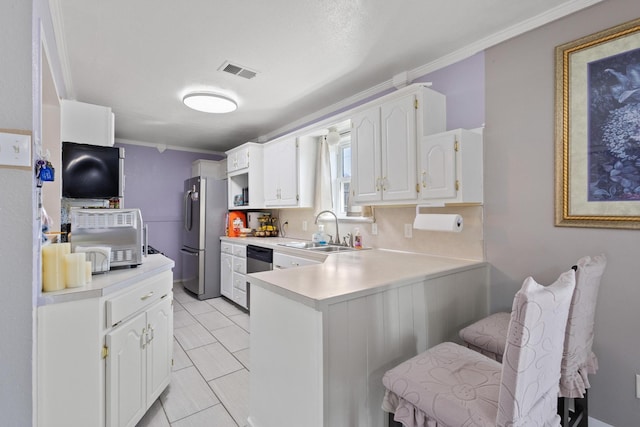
355	273
106	283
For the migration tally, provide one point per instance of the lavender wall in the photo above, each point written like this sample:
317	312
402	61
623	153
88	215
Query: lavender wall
154	183
463	83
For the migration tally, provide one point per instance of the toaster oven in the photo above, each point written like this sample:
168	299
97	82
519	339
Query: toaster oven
118	230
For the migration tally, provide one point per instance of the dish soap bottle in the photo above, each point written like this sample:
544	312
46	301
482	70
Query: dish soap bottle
319	236
357	239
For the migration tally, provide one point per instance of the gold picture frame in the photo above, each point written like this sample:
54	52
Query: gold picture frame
598	129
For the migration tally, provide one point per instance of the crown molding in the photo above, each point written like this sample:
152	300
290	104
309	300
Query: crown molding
169	147
444	61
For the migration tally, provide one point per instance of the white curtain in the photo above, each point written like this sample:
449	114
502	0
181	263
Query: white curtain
323	199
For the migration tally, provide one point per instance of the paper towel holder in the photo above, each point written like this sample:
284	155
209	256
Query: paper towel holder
452	222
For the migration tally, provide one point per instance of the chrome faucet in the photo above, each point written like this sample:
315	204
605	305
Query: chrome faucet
337	240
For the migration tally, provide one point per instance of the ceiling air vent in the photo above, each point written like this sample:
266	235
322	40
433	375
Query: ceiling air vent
237	70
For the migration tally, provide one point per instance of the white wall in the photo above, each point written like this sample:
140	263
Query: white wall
520	235
16	221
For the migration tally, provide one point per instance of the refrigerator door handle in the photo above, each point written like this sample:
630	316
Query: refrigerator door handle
187	222
186	252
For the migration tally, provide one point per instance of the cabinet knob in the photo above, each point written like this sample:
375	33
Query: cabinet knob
424	179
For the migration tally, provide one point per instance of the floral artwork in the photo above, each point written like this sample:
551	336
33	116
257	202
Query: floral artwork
614	127
598	129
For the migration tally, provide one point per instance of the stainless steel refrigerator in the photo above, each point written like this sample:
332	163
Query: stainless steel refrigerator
204	210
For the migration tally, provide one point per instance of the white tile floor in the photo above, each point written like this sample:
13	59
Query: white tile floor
210	380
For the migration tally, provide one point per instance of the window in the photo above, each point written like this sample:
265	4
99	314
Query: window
341	159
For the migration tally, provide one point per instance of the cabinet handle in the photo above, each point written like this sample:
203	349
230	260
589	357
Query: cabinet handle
385	182
143	338
378	184
147	296
424	179
150	334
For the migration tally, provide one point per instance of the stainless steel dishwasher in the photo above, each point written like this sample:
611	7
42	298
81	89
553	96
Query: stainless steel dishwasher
258	259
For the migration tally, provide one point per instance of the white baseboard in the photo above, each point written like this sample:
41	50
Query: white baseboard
596	423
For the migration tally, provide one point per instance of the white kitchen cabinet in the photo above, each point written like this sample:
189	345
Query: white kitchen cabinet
226	275
451	167
86	123
245	171
233	279
139	359
105	358
289	172
209	168
384	144
282	261
139	363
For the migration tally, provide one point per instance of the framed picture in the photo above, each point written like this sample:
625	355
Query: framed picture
598	129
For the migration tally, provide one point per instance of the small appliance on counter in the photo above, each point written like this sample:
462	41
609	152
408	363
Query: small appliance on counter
116	233
253	219
237	221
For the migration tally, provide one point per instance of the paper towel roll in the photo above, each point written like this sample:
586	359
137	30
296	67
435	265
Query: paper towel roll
438	222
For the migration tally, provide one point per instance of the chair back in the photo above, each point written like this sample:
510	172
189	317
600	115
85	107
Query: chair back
531	362
578	360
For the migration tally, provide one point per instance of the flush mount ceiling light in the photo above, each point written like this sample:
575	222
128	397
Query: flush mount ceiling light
208	102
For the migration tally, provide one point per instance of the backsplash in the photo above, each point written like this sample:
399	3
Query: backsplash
468	244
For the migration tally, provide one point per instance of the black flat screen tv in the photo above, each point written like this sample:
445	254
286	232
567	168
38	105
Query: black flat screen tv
90	171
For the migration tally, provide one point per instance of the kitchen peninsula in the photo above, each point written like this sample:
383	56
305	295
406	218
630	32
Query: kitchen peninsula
323	335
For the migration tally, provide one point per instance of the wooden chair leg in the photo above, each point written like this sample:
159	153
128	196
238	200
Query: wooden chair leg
563	411
392	422
579	417
582	411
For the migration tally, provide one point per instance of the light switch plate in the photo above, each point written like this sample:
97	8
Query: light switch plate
408	231
15	149
374	229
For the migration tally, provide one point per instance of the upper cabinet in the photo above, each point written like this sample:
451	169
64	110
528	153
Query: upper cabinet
238	158
245	174
384	145
86	123
450	167
289	172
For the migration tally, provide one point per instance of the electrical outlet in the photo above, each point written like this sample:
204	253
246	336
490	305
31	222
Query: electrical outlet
638	386
304	225
374	229
408	231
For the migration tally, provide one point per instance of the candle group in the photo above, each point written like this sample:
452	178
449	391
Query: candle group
61	268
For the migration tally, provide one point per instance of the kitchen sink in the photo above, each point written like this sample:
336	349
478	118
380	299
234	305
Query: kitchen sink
316	247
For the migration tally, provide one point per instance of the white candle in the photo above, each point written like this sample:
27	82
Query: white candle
75	270
52	268
88	272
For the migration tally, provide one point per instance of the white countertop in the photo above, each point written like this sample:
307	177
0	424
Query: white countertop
350	274
107	283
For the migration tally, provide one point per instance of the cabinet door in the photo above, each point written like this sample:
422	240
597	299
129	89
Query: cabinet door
288	172
438	167
365	156
283	261
126	371
281	173
398	142
226	275
159	347
242	158
272	165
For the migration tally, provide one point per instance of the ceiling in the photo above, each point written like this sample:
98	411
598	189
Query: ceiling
141	57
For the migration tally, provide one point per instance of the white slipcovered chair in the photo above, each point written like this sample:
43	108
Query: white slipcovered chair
488	336
451	385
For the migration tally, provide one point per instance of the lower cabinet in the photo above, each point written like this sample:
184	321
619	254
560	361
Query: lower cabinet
282	261
233	270
104	360
226	275
138	363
